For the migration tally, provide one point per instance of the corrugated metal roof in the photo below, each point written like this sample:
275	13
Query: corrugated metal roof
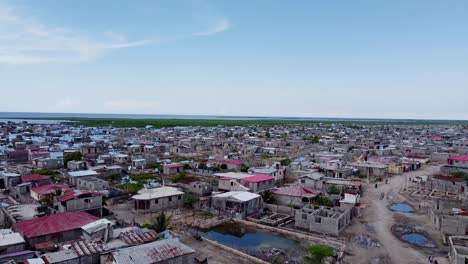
83	248
150	253
54	223
139	236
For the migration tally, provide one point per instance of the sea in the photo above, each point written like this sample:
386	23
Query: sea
35	117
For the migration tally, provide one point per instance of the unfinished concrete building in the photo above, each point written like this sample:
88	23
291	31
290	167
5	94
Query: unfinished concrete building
458	249
323	219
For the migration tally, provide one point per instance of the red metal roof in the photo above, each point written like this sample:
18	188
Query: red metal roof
258	178
33	177
45	246
72	195
459	158
296	190
54	224
174	165
51	188
448	178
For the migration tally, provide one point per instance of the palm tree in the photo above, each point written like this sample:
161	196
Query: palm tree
267	196
160	223
319	253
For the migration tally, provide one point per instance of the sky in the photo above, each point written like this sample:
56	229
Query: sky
320	58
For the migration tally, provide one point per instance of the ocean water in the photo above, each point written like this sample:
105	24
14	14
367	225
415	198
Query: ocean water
30	115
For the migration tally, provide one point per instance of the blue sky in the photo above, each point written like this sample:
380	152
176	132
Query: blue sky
376	59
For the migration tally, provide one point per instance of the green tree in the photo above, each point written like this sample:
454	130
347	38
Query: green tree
223	166
285	162
186	166
318	254
160	223
333	190
190	200
244	168
267	197
202	166
72	156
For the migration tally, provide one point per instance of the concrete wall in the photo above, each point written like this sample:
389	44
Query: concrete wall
323	220
157	205
454	224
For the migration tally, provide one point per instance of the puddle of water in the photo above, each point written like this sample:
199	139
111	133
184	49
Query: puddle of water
402	207
417	239
247	238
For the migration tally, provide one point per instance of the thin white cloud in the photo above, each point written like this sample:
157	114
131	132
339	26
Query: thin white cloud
221	24
130	106
26	41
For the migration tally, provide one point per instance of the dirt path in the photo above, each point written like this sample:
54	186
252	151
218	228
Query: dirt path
377	221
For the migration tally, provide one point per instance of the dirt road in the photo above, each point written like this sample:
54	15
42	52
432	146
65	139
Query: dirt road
377	221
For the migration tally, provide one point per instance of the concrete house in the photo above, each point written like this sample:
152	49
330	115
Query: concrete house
258	183
295	195
166	251
174	168
90	202
92	184
157	199
11	242
236	203
56	228
458	249
75	175
312	180
322	219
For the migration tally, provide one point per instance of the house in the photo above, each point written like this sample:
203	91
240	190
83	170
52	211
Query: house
459	161
369	169
275	171
56	228
36	180
232	165
11	242
444	184
73	201
458	249
173	168
9	180
77	165
312	180
258	183
49	191
121	158
157	199
92	184
165	251
32	155
75	175
139	164
237	204
294	195
196	187
47	163
326	220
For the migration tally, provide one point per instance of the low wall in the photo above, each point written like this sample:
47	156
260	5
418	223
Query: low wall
279	209
235	251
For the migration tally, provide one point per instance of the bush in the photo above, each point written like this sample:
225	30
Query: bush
190	200
319	253
333	190
71	156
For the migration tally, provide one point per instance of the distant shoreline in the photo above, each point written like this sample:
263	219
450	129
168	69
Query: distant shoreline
61	116
161	121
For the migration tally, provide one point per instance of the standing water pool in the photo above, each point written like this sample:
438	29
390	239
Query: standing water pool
417	239
402	207
252	241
